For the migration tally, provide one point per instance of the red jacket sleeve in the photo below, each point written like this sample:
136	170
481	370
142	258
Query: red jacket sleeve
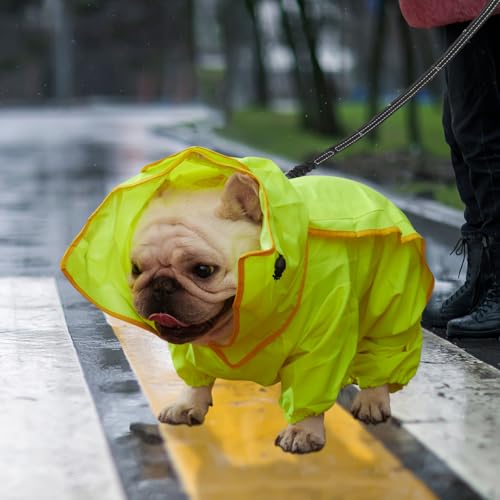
433	13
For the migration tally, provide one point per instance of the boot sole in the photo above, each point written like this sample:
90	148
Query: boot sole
484	334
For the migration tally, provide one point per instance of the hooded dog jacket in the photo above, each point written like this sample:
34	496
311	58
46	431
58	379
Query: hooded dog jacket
333	296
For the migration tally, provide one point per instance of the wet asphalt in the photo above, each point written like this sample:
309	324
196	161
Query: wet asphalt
55	169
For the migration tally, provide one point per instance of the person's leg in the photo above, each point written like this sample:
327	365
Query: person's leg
472	216
484	320
440	309
475	120
474	102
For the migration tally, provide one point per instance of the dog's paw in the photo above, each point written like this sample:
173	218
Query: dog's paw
179	414
372	405
303	437
190	408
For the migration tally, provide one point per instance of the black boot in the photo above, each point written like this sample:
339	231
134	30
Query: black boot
462	302
484	320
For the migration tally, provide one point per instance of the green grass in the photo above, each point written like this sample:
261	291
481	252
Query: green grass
280	133
444	193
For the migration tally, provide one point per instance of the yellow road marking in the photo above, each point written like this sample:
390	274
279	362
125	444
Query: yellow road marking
232	455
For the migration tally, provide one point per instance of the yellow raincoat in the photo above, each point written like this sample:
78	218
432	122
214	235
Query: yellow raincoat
346	308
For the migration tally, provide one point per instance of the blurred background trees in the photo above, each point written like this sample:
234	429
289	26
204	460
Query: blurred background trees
311	53
275	68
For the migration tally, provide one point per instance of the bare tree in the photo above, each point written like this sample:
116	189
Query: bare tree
298	78
326	121
234	25
429	45
408	56
58	21
384	10
180	50
312	86
260	73
375	62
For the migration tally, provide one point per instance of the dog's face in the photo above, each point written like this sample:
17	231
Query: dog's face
184	258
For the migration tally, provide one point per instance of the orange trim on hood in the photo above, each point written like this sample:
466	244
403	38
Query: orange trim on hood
219	349
140	324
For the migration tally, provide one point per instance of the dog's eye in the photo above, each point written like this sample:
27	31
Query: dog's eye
204	270
135	269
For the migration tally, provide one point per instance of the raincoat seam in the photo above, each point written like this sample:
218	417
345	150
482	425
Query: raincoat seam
328	233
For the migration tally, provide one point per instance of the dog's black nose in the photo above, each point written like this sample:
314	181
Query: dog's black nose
163	285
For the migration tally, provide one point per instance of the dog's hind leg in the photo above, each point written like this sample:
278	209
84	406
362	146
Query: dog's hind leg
372	405
304	436
383	364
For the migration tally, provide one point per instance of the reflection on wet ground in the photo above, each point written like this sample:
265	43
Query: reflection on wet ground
47	195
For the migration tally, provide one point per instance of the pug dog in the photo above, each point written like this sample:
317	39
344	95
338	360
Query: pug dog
184	277
184	258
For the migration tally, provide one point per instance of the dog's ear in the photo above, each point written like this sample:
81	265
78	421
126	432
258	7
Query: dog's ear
240	198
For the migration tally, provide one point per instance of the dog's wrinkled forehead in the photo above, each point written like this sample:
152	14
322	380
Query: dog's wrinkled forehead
172	206
183	228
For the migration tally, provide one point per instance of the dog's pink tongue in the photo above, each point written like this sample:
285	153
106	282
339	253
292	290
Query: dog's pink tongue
167	320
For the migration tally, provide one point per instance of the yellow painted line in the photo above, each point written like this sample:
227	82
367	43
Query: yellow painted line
232	455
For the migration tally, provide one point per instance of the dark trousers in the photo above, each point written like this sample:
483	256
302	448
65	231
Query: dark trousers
471	121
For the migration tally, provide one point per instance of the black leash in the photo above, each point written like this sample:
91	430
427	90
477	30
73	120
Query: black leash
402	99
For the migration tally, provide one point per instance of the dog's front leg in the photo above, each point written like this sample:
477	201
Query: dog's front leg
190	407
304	436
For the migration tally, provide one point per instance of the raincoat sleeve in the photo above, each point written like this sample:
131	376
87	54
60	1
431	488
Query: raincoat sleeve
313	376
184	364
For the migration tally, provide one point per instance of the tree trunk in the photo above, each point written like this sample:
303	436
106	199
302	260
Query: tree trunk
261	80
326	120
375	64
179	81
414	135
297	79
429	51
62	56
234	31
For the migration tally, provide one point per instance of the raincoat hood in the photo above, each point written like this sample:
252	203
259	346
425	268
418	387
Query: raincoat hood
98	263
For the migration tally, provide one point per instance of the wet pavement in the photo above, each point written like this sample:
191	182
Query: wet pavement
50	427
56	167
